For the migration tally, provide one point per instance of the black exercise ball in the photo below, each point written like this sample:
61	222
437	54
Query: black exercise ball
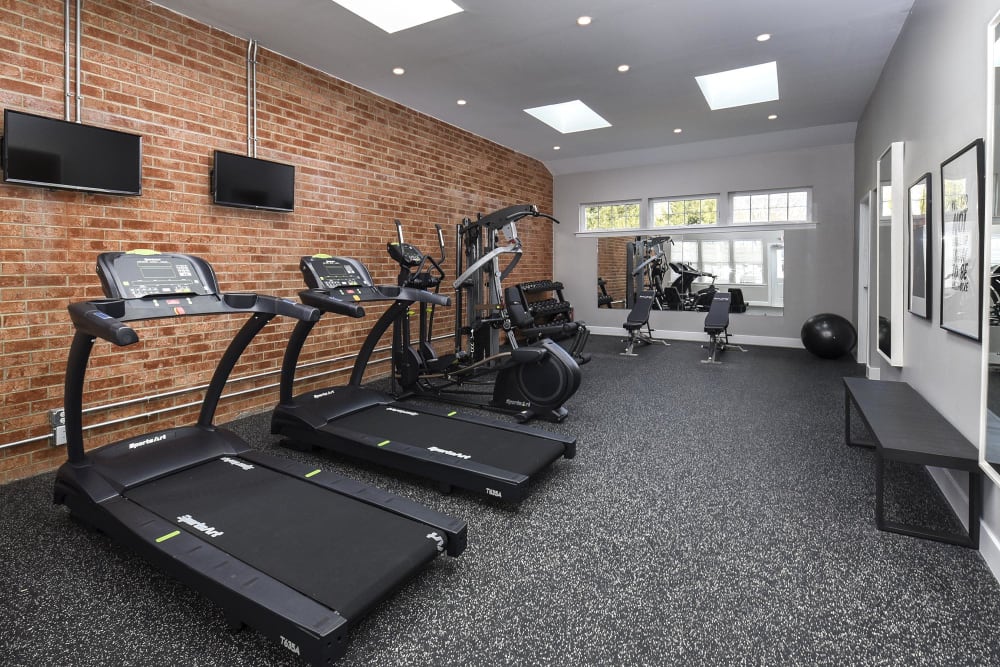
829	336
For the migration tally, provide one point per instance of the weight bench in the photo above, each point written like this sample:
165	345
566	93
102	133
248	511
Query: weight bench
906	428
638	318
717	327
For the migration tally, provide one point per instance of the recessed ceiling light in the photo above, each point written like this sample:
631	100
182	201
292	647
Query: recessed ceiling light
555	148
677	130
461	103
623	68
739	87
395	15
573	116
398	71
773	116
763	37
584	20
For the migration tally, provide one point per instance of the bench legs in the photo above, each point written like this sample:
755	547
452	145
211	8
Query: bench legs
867	444
969	539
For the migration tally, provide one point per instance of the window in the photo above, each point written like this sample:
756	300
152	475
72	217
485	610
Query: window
686	211
767	207
733	262
619	215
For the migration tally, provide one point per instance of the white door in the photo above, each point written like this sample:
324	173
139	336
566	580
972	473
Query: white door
864	274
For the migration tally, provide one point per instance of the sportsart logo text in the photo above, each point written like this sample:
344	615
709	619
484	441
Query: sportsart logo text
449	452
238	464
325	393
147	441
188	520
520	404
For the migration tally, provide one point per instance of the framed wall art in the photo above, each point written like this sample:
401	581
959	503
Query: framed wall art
962	204
919	232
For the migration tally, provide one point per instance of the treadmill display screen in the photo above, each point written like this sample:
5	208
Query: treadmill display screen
136	275
332	272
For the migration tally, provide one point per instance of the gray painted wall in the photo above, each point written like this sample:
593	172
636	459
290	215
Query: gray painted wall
932	95
819	264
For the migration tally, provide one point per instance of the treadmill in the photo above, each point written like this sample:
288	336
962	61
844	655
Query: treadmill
489	457
296	552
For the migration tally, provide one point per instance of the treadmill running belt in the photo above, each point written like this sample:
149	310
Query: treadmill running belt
509	450
341	552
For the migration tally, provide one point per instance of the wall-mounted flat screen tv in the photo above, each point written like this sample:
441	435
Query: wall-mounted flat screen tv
53	153
249	182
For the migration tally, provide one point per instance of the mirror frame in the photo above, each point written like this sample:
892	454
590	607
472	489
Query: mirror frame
991	205
897	253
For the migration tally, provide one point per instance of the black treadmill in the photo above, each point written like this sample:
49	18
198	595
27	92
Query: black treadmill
296	552
489	457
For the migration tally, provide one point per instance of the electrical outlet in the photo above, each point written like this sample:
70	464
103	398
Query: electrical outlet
57	419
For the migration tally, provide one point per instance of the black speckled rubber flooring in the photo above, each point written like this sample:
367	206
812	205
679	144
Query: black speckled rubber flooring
713	516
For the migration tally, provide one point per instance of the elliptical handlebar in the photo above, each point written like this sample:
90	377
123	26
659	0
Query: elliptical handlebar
413	262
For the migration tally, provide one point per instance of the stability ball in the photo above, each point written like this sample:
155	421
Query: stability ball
828	335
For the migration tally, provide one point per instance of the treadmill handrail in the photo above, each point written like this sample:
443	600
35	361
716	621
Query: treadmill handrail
105	319
319	298
97	315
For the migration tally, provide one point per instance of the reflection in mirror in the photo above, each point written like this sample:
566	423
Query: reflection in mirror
890	238
884	244
684	270
991	346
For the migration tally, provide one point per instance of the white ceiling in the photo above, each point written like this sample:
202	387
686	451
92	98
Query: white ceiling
504	56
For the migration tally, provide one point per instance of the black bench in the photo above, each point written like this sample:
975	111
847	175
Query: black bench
717	327
906	428
638	318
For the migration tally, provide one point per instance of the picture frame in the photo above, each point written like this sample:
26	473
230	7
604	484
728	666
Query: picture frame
920	271
962	224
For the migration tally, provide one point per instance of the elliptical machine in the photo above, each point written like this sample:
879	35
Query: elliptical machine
528	381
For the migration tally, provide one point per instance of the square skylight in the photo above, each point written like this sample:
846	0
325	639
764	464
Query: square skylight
574	116
395	15
739	87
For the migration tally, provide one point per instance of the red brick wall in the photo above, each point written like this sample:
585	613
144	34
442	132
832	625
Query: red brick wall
361	161
612	257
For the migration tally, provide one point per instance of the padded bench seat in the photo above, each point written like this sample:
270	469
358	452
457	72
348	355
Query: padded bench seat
905	427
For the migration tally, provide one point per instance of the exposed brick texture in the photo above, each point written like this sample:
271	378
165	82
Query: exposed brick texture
361	161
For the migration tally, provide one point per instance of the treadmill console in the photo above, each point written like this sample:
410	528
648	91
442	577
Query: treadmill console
145	273
342	277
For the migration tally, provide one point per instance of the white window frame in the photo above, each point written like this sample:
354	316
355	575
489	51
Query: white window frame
685	198
769	193
625	202
731	278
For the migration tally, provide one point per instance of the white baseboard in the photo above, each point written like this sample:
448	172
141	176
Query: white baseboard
958	498
699	337
873	373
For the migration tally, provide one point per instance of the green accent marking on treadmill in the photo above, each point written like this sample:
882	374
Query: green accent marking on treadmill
313	473
383	443
322	255
142	251
453	413
166	537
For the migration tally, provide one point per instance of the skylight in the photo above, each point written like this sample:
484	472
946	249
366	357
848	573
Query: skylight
574	116
739	87
395	15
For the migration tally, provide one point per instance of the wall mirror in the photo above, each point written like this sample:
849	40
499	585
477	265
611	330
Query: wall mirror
989	453
680	268
890	240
